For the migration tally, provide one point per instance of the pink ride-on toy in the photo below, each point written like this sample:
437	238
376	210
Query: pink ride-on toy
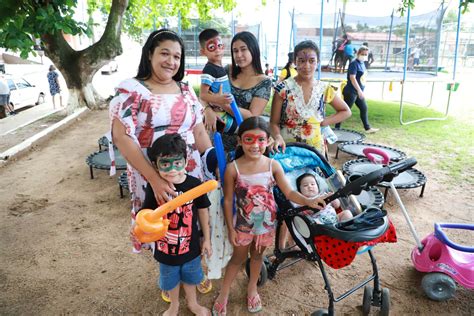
444	261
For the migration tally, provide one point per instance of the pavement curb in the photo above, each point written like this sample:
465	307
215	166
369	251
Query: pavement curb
22	148
30	122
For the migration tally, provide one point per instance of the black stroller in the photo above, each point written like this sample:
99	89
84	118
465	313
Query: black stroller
367	227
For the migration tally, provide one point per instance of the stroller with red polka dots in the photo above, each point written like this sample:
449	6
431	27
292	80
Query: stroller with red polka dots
334	244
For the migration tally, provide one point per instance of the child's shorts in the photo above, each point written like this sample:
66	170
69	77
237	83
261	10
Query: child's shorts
189	273
264	240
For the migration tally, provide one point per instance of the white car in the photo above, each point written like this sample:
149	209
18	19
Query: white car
22	93
110	68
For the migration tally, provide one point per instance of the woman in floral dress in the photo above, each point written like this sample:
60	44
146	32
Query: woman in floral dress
298	108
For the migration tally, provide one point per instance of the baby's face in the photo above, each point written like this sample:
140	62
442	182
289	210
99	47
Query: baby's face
309	187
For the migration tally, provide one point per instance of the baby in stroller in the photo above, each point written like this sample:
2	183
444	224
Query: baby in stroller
307	185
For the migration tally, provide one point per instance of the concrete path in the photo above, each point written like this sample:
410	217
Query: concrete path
23	118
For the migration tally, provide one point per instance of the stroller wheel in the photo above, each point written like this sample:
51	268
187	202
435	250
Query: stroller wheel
367	300
320	312
385	307
438	286
263	272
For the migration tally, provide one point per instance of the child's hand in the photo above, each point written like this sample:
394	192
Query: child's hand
206	249
137	245
210	119
223	100
336	204
233	237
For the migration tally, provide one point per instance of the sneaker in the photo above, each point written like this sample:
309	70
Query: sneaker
372	130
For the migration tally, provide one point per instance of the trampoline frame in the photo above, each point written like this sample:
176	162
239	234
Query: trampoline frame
93	165
402	154
387	186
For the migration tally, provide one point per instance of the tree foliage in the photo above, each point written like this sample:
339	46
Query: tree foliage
405	4
23	22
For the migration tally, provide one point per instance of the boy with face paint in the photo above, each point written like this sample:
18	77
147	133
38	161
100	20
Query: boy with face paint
179	252
214	79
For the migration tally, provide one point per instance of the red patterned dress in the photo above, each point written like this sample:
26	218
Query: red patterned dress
147	116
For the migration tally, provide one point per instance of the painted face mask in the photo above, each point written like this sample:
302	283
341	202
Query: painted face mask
250	139
214	44
166	164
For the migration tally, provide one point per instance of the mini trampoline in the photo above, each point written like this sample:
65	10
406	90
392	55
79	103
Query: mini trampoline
101	160
408	179
371	197
104	142
123	183
356	149
347	135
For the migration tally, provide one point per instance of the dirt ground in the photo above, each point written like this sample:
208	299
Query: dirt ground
65	249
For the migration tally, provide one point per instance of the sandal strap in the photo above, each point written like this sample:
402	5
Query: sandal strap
219	309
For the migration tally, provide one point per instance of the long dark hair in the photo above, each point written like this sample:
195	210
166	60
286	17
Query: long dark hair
291	59
251	41
154	40
307	44
253	122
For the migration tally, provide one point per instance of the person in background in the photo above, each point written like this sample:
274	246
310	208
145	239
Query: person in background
338	53
289	69
349	54
353	92
370	57
5	107
268	70
54	86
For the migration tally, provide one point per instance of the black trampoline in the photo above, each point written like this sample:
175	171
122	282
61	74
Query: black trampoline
104	142
356	149
408	179
347	135
371	197
123	183
101	160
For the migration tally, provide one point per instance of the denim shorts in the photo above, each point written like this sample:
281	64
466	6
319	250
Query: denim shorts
189	273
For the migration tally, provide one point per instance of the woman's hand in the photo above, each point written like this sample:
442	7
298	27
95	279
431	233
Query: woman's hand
162	189
210	119
277	143
318	201
206	248
360	94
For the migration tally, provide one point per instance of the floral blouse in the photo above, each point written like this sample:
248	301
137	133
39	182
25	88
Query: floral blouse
147	116
300	121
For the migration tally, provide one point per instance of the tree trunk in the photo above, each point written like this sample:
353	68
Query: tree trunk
79	67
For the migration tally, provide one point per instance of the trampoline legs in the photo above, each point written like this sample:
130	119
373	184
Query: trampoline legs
422	190
92	172
121	191
337	152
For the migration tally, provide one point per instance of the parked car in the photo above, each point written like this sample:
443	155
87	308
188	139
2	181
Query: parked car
110	68
23	93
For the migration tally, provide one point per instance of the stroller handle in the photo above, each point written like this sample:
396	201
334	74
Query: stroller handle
358	183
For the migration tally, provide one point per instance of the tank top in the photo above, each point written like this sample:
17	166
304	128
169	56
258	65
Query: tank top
255	203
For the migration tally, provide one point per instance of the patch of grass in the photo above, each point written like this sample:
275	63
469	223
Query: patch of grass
445	145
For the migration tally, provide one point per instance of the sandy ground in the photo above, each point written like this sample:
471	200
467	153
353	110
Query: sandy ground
65	250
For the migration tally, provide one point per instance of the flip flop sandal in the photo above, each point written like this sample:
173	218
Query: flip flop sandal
219	309
205	286
165	295
254	304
